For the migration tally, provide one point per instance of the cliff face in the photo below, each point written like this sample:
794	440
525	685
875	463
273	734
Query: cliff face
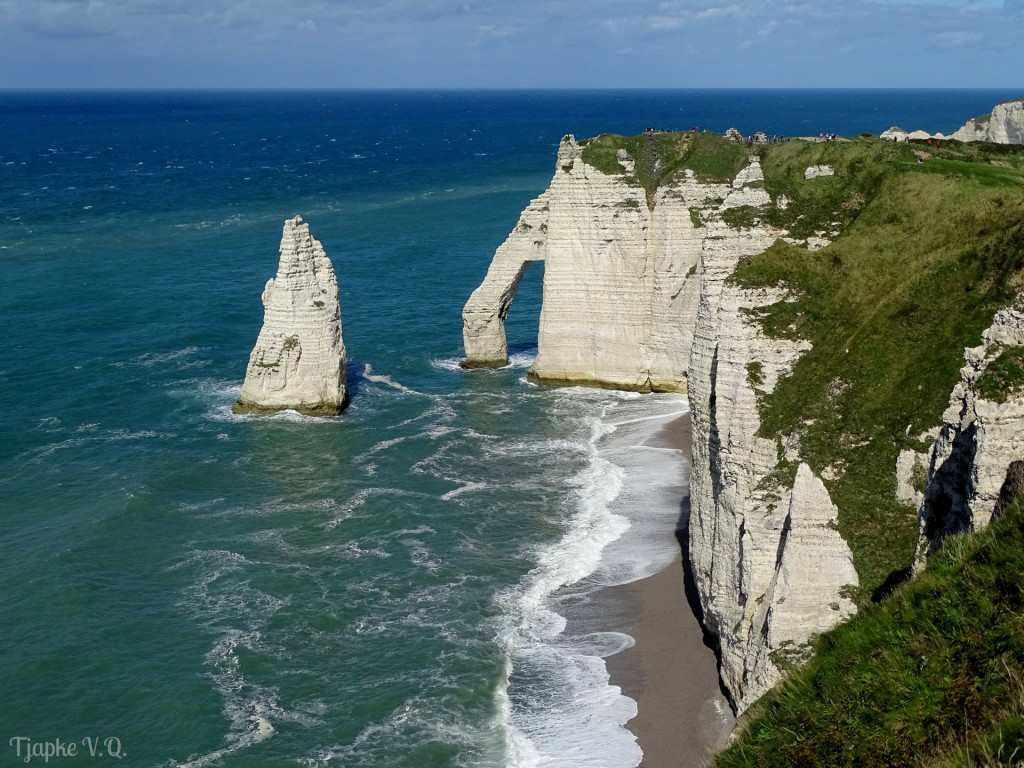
1004	126
620	282
299	359
979	438
637	296
770	568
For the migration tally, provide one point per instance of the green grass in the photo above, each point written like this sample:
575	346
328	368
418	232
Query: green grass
933	676
660	157
1003	375
923	261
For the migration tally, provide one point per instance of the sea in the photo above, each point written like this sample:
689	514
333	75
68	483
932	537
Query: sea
180	586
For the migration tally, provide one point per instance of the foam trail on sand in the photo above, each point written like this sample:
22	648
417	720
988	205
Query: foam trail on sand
558	706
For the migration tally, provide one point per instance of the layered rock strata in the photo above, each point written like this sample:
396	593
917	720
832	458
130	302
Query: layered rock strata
979	439
1004	126
620	278
770	567
299	359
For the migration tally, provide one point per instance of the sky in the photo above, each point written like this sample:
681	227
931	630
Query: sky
511	43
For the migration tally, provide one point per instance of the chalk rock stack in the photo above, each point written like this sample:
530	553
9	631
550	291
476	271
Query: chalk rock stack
1004	126
299	359
978	440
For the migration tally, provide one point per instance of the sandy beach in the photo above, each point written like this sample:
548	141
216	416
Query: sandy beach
670	672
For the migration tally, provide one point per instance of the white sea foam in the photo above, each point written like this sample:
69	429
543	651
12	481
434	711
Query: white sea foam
517	361
654	490
351	507
520	360
463	489
249	708
447	364
558	707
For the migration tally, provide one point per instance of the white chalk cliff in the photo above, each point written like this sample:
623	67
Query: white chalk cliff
979	438
620	283
299	359
637	296
770	567
1004	126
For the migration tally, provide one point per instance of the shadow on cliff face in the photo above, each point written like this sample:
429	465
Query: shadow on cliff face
690	588
892	581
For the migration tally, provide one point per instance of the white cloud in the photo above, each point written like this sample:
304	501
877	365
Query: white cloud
498	30
733	11
958	39
661	23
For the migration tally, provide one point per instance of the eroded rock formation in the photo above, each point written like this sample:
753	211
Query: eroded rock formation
299	359
979	438
637	295
1004	126
770	567
620	276
619	280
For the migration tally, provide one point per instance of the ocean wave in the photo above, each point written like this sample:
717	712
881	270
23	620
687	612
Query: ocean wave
557	706
350	508
517	360
466	488
447	364
249	708
416	722
221	592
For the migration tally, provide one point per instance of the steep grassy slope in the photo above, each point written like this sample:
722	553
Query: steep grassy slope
933	676
924	253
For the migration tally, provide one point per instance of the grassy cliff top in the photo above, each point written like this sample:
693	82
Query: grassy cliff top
661	157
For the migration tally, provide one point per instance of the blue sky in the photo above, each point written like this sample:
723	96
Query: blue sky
510	43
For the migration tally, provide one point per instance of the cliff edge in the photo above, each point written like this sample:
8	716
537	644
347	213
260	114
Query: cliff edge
640	237
1004	126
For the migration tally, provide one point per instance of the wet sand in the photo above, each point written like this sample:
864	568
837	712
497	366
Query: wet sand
670	672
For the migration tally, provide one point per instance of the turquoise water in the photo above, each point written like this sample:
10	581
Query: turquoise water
371	590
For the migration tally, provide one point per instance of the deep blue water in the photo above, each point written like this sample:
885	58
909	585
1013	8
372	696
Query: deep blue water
363	591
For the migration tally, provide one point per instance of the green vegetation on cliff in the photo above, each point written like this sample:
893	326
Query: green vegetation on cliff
933	677
659	157
923	255
927	244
